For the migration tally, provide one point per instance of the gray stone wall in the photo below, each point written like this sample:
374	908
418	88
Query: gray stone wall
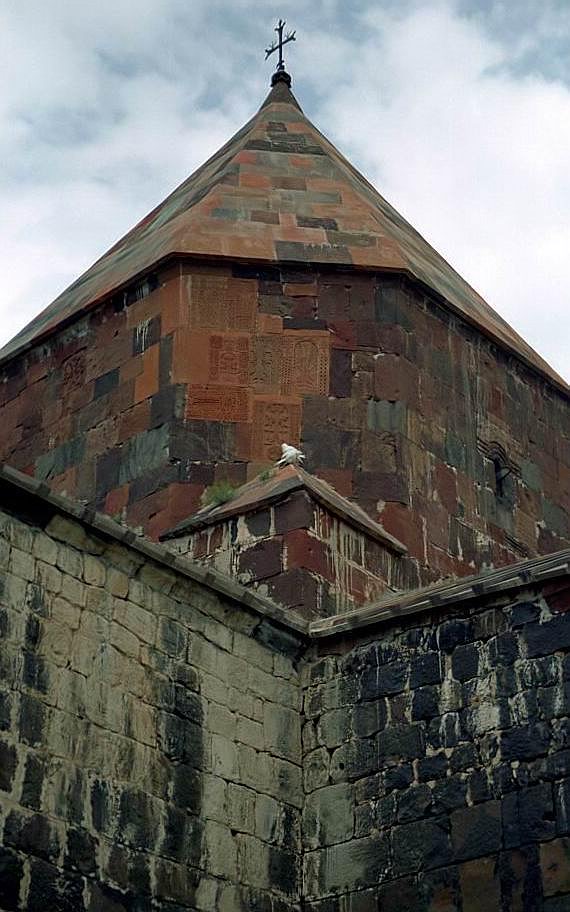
437	762
150	752
160	751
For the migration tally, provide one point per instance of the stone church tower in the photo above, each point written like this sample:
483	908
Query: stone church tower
276	296
274	708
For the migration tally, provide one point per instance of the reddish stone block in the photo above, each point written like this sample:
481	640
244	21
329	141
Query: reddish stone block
134	421
373	487
339	479
305	550
65	483
405	525
445	482
298	590
146	384
340	373
215	538
557	595
395	379
200	545
262	560
105	355
174	305
146	308
334	303
116	501
78	398
140	513
303	309
297	512
103	437
343	334
300	289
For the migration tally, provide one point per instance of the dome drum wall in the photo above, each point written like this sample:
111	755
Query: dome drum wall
202	370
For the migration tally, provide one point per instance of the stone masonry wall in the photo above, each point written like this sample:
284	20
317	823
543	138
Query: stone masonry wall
149	734
437	762
198	373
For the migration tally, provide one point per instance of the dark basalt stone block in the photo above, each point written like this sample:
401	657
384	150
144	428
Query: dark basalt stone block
465	662
31	720
11	873
33	782
8	764
420	845
476	831
81	851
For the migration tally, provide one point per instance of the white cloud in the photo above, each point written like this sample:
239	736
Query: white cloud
108	106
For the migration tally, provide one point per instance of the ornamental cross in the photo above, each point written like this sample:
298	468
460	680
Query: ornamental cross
279	44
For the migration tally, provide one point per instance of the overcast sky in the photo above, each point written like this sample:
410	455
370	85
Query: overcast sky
458	112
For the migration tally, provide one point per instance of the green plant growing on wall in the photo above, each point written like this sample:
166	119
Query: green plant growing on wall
218	493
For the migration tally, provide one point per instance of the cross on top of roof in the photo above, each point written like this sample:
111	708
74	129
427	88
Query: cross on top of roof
280	74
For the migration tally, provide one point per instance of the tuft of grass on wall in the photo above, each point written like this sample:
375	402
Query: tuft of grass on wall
218	493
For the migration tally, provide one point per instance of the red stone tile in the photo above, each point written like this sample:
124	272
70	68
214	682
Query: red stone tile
445	480
340	479
134	421
406	526
147	383
117	500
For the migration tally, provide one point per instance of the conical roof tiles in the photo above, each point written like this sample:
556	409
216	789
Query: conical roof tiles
278	191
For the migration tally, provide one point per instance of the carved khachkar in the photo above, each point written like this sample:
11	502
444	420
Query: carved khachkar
229	359
274	421
217	302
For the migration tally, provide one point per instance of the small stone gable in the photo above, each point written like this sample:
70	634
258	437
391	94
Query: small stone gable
292	536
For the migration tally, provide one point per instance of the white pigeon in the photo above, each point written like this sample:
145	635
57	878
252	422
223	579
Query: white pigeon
290	455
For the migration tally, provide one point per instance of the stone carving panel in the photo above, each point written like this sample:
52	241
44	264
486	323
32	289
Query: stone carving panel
74	371
220	302
218	403
229	359
267	363
275	421
306	358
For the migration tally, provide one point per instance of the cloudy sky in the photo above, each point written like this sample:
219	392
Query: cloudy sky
458	111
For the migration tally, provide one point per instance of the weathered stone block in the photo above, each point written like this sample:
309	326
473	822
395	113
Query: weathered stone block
420	845
476	831
347	867
328	816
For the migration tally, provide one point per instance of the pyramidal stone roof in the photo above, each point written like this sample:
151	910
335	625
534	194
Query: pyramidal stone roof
278	191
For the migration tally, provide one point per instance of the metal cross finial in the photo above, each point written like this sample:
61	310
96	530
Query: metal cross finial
279	45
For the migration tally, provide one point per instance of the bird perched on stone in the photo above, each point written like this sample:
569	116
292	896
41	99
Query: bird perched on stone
290	455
